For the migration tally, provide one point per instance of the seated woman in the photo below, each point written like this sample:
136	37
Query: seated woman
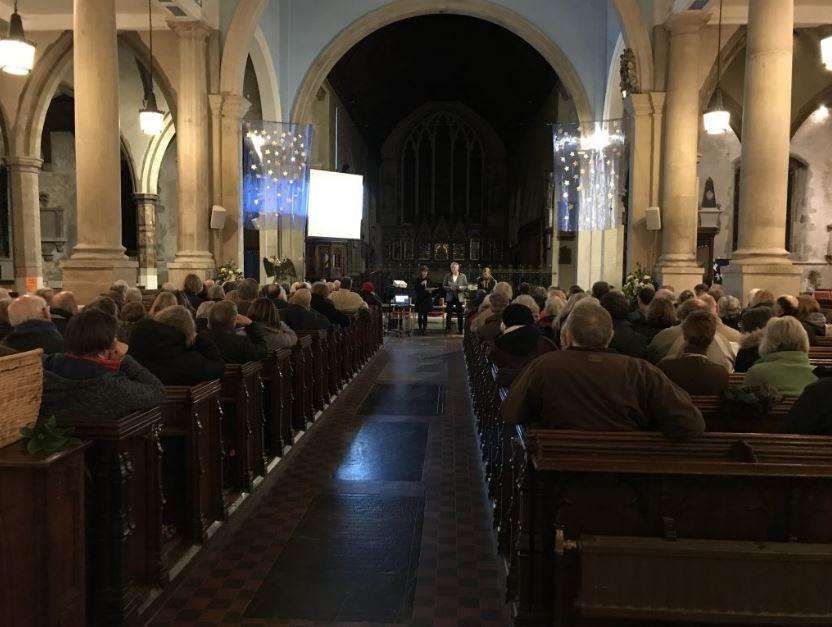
519	343
192	290
808	312
320	302
275	333
169	347
300	316
162	300
625	339
201	316
730	311
368	293
94	378
550	312
661	315
131	314
784	358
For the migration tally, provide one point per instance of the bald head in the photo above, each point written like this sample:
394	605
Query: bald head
65	300
28	307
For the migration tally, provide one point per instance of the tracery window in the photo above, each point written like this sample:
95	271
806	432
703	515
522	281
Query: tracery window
442	171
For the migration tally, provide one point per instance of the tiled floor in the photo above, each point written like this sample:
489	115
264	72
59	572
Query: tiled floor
378	516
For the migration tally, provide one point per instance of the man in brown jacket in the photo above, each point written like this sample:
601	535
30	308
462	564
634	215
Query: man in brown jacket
589	387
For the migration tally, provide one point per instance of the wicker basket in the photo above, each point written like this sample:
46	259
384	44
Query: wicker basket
21	387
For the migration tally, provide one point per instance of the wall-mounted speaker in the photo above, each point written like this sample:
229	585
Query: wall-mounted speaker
653	217
217	217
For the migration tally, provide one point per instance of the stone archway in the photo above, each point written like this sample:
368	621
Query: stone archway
404	9
238	44
637	38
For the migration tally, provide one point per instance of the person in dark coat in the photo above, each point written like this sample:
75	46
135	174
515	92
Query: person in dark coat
320	303
300	316
423	299
811	413
63	307
752	323
193	291
129	316
692	370
94	378
486	281
519	343
32	326
5	327
589	387
368	293
170	348
661	315
233	347
625	340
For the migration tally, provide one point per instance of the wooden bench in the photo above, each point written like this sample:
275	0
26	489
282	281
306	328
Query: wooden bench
319	367
192	465
42	540
303	383
277	378
242	401
123	515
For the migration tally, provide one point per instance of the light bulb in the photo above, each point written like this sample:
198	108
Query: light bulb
717	121
151	121
826	52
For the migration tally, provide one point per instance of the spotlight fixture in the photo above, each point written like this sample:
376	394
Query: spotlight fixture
17	55
151	119
717	119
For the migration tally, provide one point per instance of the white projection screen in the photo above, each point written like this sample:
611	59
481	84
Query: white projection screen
336	204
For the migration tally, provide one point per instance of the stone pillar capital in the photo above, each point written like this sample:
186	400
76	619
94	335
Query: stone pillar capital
190	29
234	107
687	22
637	105
215	104
24	163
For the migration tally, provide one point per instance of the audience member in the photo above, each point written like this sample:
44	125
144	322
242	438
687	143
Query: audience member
575	289
808	312
761	298
368	293
518	343
345	300
644	297
692	370
752	323
527	301
784	358
625	340
538	293
162	300
597	389
275	333
201	316
105	304
192	290
215	293
700	289
169	347
661	315
723	330
717	292
300	316
505	288
730	311
5	325
551	310
560	322
46	293
62	309
94	379
488	324
249	290
811	414
32	326
324	306
132	295
130	315
524	288
685	295
599	288
234	348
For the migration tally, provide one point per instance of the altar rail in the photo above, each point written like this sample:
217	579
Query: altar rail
630	526
162	482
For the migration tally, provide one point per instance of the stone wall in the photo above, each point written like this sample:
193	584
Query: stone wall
167	212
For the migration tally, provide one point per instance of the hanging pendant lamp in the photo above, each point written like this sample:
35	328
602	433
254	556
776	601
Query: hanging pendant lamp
17	55
826	52
717	118
151	119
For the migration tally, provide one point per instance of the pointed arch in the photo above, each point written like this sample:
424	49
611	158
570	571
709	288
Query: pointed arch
148	176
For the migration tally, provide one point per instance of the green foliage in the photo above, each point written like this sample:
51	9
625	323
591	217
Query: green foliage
228	271
47	437
637	279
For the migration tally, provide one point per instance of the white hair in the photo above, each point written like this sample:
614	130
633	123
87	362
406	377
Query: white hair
554	305
133	295
27	307
529	302
784	334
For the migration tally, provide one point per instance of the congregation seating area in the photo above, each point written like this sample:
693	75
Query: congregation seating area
608	527
153	489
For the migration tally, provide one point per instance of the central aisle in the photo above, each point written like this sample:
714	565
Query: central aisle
377	516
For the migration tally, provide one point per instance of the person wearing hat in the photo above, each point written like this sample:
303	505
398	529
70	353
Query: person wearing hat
518	344
368	293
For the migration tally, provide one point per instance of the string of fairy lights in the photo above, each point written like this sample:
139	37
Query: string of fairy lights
587	175
277	163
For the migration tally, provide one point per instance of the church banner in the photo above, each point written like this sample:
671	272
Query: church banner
589	175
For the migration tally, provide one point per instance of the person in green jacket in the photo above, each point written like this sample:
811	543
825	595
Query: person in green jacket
784	358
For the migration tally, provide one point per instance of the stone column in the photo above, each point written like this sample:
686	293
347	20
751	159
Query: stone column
25	217
677	264
645	112
234	107
98	258
761	259
146	211
192	255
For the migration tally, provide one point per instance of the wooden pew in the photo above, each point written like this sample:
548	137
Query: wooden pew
632	526
319	367
242	400
278	401
303	378
192	465
717	419
123	515
42	543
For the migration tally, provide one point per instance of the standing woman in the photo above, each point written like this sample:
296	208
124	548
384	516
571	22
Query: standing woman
486	282
424	298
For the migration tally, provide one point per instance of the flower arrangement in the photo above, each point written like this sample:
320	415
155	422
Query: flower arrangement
635	280
280	270
228	271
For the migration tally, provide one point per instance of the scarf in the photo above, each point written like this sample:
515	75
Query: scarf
111	365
